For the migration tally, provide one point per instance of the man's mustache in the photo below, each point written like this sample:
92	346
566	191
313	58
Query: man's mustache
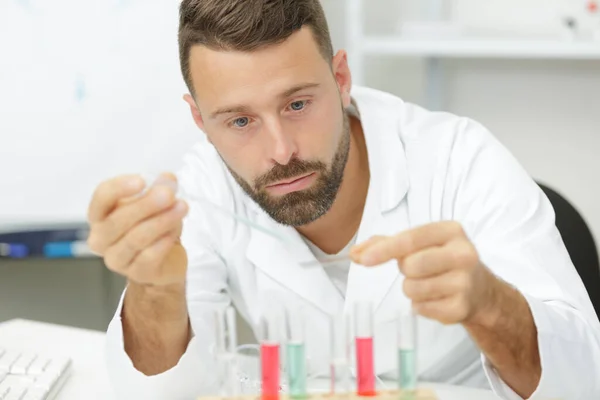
294	168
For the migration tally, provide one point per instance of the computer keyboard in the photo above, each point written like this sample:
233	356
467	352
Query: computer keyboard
26	375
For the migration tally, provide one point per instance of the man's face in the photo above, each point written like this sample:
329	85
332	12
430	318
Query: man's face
276	117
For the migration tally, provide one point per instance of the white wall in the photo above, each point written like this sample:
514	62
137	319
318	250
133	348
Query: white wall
88	90
546	112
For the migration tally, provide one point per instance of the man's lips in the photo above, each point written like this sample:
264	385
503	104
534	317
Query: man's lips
292	185
289	181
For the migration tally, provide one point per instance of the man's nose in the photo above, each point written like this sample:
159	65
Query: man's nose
282	146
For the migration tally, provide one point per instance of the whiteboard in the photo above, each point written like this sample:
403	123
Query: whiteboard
88	90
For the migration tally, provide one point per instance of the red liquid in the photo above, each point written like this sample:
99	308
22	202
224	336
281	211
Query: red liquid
269	362
365	367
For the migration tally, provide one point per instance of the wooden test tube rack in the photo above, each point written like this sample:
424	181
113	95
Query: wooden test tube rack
420	394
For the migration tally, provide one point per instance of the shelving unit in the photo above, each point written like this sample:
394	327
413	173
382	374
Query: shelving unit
482	48
433	50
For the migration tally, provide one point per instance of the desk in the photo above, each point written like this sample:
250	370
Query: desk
89	379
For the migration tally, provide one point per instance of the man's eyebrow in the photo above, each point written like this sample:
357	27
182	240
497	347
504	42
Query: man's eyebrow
297	89
240	108
229	110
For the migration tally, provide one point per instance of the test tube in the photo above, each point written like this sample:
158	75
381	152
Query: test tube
226	346
407	360
340	339
269	356
365	365
295	355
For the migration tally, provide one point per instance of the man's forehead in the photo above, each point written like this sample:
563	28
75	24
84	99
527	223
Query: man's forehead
276	67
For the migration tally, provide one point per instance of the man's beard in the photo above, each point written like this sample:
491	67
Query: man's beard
306	206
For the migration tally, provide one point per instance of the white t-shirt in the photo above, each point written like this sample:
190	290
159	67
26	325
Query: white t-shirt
337	271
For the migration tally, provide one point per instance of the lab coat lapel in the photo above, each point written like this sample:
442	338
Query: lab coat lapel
385	211
281	263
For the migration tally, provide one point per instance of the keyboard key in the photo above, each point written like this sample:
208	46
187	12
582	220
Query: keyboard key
16	393
4	389
58	365
8	359
11	384
30	376
35	394
46	380
38	365
21	365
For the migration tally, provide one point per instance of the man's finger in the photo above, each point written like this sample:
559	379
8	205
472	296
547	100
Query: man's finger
109	193
119	256
146	266
357	249
164	179
449	310
409	242
125	217
436	288
426	263
149	231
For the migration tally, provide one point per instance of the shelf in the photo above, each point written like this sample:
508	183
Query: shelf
482	48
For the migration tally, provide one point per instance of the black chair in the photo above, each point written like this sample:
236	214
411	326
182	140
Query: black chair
579	242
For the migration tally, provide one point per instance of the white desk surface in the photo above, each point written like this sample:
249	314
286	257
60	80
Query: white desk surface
89	379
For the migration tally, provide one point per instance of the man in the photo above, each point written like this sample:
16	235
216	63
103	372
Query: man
433	211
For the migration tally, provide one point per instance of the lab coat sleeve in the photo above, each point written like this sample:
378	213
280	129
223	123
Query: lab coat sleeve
194	374
512	224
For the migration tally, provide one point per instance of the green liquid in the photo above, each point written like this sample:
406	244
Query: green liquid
296	370
407	377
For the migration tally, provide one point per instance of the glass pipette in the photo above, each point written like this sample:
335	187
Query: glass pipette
340	338
295	355
365	365
251	224
226	343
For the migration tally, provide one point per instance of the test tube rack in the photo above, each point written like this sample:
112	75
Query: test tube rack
419	394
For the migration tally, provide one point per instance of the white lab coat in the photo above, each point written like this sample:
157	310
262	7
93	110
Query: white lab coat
425	167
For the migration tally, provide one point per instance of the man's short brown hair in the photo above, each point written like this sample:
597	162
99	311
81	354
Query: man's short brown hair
246	25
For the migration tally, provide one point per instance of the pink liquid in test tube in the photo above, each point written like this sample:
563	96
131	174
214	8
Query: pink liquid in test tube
269	355
365	364
365	368
269	360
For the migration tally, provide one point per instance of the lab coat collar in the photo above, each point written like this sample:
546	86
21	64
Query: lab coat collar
383	213
387	188
381	122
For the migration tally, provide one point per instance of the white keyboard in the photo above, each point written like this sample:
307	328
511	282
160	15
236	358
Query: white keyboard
31	376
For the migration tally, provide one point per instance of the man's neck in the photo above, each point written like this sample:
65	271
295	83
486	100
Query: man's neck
332	232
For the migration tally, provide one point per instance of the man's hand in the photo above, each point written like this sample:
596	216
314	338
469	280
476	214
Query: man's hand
446	281
138	235
444	277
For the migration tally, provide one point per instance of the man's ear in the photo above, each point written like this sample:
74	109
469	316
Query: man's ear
194	110
343	76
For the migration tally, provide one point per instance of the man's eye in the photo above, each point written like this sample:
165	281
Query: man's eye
241	122
298	105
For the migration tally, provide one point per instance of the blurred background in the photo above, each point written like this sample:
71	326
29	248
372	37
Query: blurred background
92	89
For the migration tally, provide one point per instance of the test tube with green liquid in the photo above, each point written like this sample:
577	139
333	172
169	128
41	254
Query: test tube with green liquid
407	358
295	355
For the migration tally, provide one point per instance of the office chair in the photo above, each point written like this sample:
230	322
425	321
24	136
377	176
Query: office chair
579	242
